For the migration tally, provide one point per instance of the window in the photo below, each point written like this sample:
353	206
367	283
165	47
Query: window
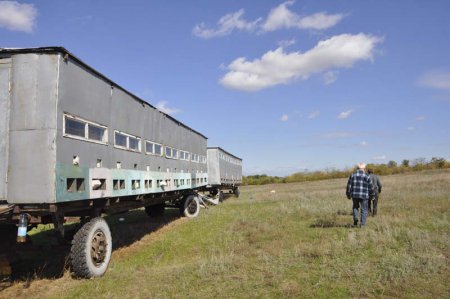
75	128
195	158
78	128
158	149
149	147
126	141
184	156
168	152
153	148
174	154
133	143
120	139
96	133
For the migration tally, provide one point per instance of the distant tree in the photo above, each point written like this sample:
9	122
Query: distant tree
419	161
392	164
331	173
437	162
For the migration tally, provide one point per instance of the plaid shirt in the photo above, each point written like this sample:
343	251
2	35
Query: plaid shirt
359	185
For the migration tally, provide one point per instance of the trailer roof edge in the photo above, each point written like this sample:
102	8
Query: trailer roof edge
62	50
218	147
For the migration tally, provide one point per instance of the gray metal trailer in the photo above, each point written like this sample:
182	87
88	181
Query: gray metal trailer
224	171
74	143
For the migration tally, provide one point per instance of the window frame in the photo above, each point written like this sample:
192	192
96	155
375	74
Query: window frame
153	153
127	147
86	124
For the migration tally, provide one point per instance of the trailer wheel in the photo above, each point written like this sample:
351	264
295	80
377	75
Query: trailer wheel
237	191
155	210
190	207
91	249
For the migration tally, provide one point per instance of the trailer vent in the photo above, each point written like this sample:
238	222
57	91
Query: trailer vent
118	184
135	184
148	184
98	184
75	184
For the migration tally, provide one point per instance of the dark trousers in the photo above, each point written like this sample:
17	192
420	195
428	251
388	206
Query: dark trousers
357	203
375	205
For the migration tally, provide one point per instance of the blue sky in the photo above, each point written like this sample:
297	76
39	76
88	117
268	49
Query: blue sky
285	85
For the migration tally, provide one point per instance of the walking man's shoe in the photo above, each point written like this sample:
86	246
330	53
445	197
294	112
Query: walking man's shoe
355	222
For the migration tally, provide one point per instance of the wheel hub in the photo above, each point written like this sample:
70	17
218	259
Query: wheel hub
192	207
98	248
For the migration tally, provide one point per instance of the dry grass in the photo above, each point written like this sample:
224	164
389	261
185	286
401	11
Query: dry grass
296	242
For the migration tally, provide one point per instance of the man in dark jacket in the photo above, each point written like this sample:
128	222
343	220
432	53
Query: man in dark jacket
360	190
376	191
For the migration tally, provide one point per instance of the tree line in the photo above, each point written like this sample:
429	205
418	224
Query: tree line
391	167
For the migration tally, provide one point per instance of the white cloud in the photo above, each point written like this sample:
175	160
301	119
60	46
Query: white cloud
381	157
437	79
17	17
277	67
281	17
284	117
161	105
363	143
226	25
286	43
314	114
345	114
329	77
420	118
319	21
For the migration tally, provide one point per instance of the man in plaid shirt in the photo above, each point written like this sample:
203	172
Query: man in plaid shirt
360	190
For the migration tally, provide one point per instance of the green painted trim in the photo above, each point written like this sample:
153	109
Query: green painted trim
65	172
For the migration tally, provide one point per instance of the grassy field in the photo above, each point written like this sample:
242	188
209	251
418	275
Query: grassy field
296	242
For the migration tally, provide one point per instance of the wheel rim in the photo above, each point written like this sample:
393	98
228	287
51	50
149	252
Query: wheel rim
192	206
99	247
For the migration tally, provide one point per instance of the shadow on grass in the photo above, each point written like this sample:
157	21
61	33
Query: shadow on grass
328	224
43	257
332	221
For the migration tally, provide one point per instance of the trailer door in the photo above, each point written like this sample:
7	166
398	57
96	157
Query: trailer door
5	66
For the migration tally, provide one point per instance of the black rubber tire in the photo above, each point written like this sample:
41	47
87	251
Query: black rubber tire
237	191
190	207
155	210
82	262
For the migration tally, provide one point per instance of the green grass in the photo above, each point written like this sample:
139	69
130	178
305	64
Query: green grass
296	242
